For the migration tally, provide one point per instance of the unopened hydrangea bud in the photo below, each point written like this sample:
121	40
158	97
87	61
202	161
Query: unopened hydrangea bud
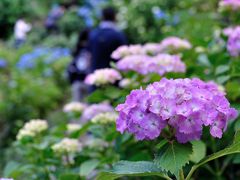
125	83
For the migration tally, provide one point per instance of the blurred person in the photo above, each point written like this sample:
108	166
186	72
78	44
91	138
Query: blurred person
105	39
54	15
79	67
21	29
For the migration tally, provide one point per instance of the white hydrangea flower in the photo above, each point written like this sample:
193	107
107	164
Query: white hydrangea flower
74	107
67	145
73	127
32	128
104	118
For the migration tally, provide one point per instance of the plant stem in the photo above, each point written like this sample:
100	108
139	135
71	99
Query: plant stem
191	172
216	162
181	174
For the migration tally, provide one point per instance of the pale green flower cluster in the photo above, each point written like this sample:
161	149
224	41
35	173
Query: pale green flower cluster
105	118
72	127
74	107
32	128
67	145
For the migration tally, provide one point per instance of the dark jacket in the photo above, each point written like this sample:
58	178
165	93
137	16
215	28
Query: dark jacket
79	54
102	42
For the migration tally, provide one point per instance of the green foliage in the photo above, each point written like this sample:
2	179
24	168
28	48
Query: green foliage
88	166
199	151
232	149
70	22
173	156
128	168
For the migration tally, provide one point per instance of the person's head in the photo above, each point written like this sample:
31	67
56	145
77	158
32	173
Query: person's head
108	14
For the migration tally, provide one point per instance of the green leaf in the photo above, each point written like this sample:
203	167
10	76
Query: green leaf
69	176
173	156
203	60
88	166
96	97
10	168
223	79
112	92
232	149
128	168
199	151
222	69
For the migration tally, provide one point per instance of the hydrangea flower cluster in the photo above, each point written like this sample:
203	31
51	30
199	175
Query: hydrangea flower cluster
232	5
32	128
73	127
233	44
160	64
173	44
125	50
3	63
105	118
184	105
103	76
96	109
229	30
67	145
74	107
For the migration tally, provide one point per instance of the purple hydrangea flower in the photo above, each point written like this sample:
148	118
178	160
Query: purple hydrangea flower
184	105
95	109
233	44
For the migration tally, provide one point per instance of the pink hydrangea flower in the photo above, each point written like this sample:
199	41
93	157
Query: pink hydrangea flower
160	64
184	105
232	5
174	44
124	51
103	76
